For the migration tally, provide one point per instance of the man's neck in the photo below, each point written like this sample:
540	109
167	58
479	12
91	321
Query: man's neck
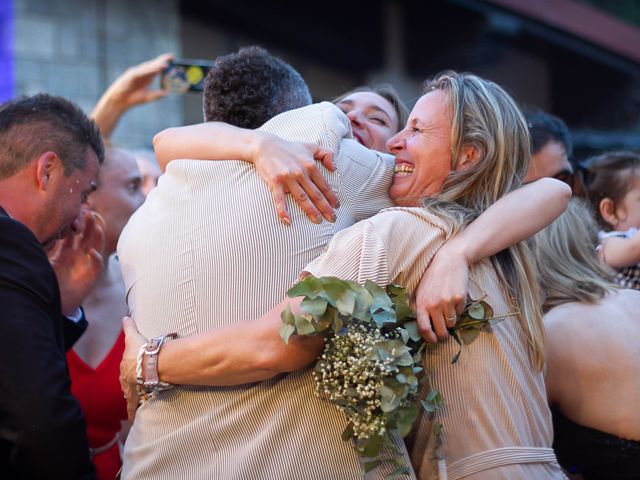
17	200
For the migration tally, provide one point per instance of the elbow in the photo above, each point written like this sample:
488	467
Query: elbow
158	138
563	192
161	139
559	191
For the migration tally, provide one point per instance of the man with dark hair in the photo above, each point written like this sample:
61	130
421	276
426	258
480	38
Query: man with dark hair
49	158
551	146
250	86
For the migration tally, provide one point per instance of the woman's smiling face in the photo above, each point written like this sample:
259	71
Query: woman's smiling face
373	118
422	150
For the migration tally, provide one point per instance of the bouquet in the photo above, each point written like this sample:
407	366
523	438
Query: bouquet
371	367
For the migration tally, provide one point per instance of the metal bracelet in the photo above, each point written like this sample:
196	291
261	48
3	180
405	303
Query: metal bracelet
139	376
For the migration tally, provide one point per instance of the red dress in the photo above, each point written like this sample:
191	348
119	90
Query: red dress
102	402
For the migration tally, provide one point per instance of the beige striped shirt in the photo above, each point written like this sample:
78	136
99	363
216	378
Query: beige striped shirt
495	403
207	250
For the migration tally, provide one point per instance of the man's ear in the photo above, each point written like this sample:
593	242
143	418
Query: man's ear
607	210
46	166
468	157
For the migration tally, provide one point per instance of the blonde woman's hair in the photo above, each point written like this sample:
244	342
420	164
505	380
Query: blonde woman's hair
569	270
486	117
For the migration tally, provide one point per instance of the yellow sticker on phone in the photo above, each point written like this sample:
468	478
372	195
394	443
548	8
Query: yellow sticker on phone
194	74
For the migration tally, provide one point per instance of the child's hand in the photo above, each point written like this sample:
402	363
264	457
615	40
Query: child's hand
620	252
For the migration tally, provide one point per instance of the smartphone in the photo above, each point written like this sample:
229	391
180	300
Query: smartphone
183	76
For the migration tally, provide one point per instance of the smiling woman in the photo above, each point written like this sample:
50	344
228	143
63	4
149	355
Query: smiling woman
466	145
376	113
422	150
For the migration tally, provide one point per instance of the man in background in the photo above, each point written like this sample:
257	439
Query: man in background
49	161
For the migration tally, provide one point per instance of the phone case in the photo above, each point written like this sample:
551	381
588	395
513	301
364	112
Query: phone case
182	76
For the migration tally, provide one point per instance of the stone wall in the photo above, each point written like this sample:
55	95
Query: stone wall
76	48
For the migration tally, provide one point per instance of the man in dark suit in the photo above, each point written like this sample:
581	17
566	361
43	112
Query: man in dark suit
49	158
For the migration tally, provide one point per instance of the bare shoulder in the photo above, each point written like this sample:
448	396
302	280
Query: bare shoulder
631	298
570	320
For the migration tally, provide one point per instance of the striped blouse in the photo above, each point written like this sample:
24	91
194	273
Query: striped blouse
497	424
206	250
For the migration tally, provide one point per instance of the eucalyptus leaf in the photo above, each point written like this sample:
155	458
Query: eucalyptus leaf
488	309
368	466
428	406
412	329
375	290
304	325
309	287
333	289
287	316
338	324
398	472
363	303
395	290
286	331
401	303
324	321
314	306
432	395
346	302
468	335
383	317
372	446
348	432
405	418
388	399
404	359
404	335
476	311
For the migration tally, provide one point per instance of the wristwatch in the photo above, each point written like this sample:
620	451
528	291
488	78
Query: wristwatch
151	382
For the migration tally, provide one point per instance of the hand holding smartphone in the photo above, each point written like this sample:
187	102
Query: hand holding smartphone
182	76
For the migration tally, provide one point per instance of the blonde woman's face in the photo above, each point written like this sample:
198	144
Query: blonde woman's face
373	118
422	150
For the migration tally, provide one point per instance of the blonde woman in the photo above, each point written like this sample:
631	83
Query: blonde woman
592	352
465	145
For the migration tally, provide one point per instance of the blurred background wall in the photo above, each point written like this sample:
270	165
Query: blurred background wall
577	59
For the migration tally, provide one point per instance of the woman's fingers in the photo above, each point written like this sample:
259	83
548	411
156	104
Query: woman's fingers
280	199
424	326
321	183
438	321
305	203
292	168
324	156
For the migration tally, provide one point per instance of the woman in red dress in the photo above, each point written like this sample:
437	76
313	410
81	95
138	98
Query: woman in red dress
94	362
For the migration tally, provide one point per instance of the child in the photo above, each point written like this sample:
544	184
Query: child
614	189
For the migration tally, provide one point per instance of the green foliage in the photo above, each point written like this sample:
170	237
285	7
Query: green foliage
476	316
371	367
